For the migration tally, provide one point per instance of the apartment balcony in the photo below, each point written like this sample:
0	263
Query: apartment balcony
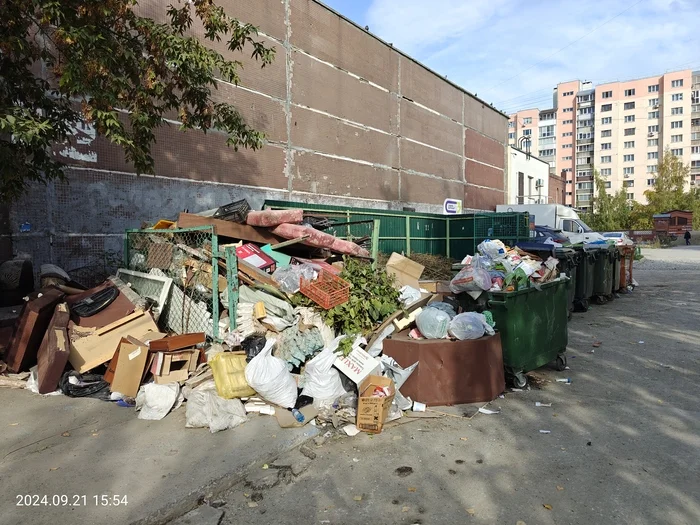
584	178
583	142
549	122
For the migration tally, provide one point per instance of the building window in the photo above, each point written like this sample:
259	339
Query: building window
676	124
585	147
695	122
628	171
652	169
527	132
654	88
511	136
651	182
606	145
653	102
565	122
511	124
607	184
568	110
654	128
676	111
580	161
676	97
695	149
695	163
628	158
566	146
677	83
651	143
587	173
527	120
585	124
567	134
652	115
548	116
606	120
695	136
629	92
585	111
629	144
607	94
629	118
678	152
630	131
630	196
546	131
584	136
606	107
676	138
628	184
606	172
547	152
567	94
653	155
566	158
606	159
606	133
629	105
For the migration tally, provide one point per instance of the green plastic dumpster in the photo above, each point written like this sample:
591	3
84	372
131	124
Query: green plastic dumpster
603	275
568	264
617	262
533	327
583	289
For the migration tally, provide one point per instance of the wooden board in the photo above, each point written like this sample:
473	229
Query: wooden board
53	352
229	229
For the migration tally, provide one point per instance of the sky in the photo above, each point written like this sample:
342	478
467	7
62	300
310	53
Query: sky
512	53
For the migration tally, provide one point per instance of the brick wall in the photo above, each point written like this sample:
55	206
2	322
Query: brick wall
349	120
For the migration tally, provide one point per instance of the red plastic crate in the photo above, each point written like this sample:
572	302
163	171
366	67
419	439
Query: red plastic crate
327	291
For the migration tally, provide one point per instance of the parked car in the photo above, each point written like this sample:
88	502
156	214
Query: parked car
542	233
621	238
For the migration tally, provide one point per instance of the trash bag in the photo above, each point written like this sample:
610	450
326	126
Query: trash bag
471	279
494	250
269	377
445	307
409	295
322	380
253	345
153	402
289	277
469	325
433	323
229	375
206	409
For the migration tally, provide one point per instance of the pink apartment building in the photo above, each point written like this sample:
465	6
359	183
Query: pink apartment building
619	128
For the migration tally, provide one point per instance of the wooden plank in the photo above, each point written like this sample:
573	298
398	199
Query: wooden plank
177	342
229	229
256	274
288	243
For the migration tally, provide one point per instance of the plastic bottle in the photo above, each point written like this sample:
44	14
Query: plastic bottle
298	415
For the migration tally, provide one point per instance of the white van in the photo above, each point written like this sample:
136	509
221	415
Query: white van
556	216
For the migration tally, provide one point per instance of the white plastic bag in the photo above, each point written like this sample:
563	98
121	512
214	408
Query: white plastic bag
207	409
494	250
433	323
269	377
471	279
409	295
322	380
289	277
469	325
153	402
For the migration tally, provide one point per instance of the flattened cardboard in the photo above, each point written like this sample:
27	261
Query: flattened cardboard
144	339
287	420
407	272
372	411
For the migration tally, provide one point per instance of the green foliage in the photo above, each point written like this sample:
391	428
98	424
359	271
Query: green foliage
610	212
373	298
102	63
345	346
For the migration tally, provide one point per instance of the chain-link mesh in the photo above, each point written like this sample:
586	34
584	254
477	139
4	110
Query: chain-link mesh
186	257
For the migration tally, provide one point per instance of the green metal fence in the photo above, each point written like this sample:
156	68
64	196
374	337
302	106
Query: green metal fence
409	232
190	257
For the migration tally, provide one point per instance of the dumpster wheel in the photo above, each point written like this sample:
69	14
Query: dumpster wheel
561	362
519	380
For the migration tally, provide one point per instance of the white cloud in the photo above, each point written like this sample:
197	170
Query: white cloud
513	52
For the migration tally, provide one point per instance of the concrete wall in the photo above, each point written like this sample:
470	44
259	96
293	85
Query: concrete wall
348	118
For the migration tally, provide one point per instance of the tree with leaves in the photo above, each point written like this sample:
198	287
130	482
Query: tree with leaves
66	61
608	212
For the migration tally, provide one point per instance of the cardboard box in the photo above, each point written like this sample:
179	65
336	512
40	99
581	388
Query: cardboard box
254	256
406	271
441	287
128	364
372	411
357	365
174	367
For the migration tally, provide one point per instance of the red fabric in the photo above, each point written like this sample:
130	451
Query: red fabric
268	218
319	239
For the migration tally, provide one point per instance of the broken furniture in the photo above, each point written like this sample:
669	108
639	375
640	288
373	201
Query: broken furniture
54	350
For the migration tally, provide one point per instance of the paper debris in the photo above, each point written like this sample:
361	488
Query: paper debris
547	506
405	509
252	504
471	511
597	344
66	434
357	498
560	487
411	489
351	430
545	431
566	380
265	466
538	404
489	412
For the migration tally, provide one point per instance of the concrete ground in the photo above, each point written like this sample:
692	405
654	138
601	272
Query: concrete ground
57	446
624	446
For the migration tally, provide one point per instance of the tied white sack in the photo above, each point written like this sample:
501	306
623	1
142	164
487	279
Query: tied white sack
153	402
470	325
409	295
494	250
269	377
322	380
433	323
205	408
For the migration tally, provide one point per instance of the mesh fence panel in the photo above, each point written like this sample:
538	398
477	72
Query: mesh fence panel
186	257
